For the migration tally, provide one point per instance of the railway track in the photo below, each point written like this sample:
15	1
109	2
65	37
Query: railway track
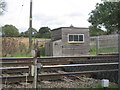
50	76
55	76
58	60
19	69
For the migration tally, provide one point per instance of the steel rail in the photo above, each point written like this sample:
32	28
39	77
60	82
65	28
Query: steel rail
71	73
60	66
7	68
52	57
58	74
75	65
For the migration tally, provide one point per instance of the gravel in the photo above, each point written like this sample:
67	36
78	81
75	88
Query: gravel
66	82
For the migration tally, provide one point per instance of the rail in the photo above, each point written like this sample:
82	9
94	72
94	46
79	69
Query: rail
28	61
87	64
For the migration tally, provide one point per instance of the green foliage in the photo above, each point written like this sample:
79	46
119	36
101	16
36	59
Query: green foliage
106	14
26	33
44	32
94	31
10	31
92	51
42	51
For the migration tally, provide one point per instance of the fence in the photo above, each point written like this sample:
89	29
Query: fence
104	44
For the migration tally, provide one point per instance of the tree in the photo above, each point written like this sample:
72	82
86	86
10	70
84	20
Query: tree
2	6
44	32
106	14
10	31
26	33
94	31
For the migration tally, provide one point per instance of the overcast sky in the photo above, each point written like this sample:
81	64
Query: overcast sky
51	13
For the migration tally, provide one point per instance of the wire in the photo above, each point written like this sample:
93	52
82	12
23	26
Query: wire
21	9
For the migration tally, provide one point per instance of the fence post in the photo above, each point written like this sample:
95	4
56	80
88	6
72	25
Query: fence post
97	45
119	59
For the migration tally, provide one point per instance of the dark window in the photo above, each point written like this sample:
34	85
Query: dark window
71	38
76	38
80	37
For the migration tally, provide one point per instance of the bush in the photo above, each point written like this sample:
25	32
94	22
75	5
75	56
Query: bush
42	51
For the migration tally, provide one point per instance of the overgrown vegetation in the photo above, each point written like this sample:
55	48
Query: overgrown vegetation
12	46
18	47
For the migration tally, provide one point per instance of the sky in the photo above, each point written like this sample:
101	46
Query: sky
51	13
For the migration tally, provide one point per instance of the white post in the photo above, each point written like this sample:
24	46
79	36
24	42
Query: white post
34	68
105	83
35	73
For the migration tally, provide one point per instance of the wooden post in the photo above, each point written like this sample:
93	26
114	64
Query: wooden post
30	27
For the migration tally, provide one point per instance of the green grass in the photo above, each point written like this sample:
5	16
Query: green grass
93	50
25	54
108	50
98	85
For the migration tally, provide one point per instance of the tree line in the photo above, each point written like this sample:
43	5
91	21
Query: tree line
12	31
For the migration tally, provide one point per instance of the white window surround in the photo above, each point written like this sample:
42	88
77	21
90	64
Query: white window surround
77	40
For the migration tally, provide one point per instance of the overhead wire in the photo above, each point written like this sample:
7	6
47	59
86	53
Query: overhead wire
21	9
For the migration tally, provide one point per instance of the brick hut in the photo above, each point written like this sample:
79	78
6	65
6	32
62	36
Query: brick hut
68	41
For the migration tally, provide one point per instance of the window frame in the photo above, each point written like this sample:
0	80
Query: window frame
74	39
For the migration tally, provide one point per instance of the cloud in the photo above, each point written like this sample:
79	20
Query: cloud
51	13
75	14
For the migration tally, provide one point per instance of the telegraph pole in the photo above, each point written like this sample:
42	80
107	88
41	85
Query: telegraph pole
30	27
